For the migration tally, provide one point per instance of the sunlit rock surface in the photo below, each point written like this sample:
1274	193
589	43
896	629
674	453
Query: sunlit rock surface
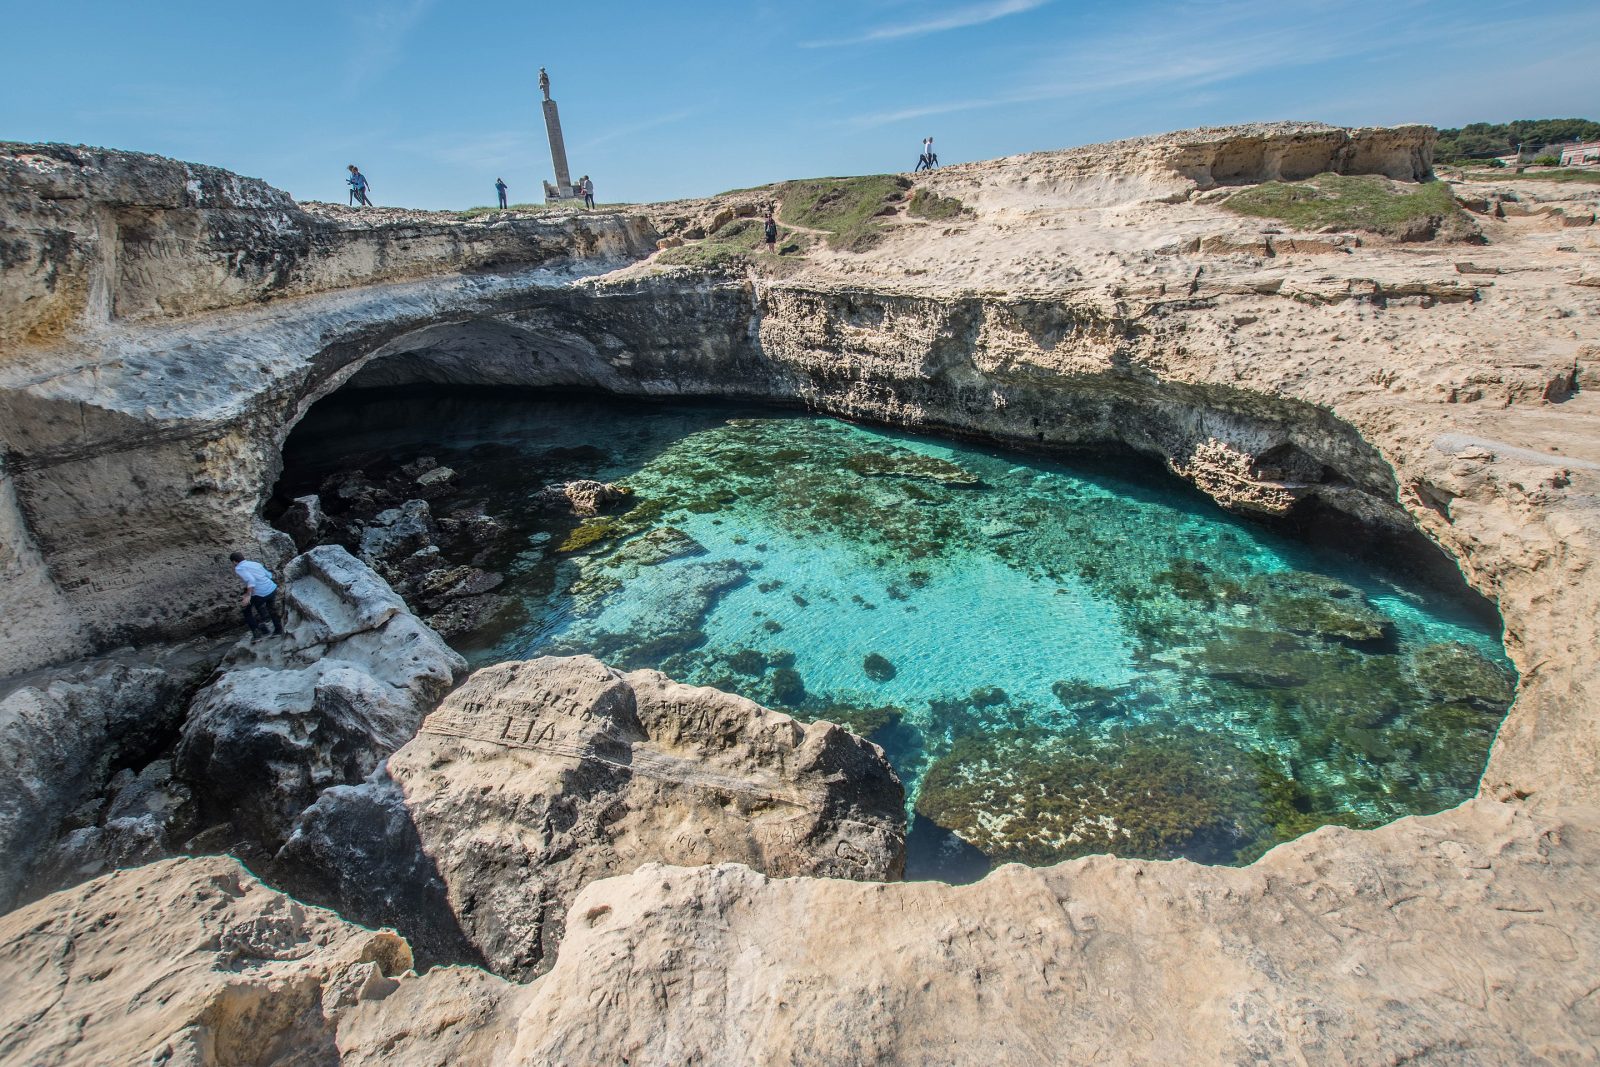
534	779
346	684
1098	295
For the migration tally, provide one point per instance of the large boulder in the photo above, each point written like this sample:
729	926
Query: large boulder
321	706
194	963
535	778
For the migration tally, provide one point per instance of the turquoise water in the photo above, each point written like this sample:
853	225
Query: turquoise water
1059	658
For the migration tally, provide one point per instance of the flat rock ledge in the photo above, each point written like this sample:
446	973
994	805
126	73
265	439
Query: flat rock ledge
1464	938
536	778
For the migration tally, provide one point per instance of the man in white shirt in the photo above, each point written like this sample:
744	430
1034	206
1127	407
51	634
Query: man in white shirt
259	592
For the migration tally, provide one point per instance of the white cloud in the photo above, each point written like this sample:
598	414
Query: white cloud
972	15
1192	46
380	35
634	127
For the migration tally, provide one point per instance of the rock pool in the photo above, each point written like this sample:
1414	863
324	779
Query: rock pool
1061	657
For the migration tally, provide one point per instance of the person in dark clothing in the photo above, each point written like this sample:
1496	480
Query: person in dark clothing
586	187
771	233
358	187
259	592
500	188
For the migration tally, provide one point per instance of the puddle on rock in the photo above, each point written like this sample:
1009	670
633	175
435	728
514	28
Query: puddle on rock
1059	658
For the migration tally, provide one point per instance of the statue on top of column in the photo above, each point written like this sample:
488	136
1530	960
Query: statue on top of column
544	83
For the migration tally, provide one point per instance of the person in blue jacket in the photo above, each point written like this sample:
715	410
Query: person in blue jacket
358	187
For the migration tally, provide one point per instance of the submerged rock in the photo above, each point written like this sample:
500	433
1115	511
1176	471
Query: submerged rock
1453	673
788	687
1316	606
584	497
320	706
907	464
535	778
1152	794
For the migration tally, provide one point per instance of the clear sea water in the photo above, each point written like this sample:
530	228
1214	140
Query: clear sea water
1060	657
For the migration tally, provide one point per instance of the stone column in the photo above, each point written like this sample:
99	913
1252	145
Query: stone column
558	148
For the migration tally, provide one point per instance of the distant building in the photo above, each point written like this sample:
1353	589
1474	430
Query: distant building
1574	154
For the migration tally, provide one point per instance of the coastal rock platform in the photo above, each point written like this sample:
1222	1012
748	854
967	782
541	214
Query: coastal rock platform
165	326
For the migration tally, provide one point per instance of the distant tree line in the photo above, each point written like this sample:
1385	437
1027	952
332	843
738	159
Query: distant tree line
1482	140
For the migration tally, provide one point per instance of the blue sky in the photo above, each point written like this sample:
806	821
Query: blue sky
435	99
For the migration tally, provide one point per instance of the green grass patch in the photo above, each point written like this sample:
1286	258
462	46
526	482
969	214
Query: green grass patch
932	206
1363	202
1566	174
740	241
847	208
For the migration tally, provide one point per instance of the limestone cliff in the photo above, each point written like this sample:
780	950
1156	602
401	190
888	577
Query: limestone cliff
1101	296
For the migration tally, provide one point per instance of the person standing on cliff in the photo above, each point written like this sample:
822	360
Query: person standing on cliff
500	188
259	592
771	232
586	187
358	187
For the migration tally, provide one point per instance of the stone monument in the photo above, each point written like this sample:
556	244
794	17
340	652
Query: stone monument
562	189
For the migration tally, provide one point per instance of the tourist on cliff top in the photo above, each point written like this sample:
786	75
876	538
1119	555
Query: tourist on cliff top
586	187
926	161
259	593
358	187
771	232
500	188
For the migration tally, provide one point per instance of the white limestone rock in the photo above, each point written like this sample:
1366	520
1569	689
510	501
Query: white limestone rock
188	963
321	706
535	778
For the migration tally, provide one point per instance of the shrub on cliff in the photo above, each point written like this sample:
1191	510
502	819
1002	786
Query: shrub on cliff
1331	202
932	206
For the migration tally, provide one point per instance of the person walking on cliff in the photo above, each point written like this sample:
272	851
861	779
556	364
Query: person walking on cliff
259	593
925	160
586	187
771	232
500	188
358	187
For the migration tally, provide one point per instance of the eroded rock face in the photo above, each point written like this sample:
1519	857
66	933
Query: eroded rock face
241	240
63	736
583	497
1465	938
535	778
321	706
187	962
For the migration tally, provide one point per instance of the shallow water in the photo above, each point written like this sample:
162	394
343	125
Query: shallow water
1059	658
